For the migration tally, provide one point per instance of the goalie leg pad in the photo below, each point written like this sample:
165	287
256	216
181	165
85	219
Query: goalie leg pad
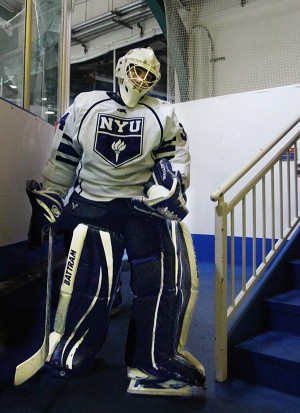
90	279
165	290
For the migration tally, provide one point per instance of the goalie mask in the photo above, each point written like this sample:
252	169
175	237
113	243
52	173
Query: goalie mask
137	73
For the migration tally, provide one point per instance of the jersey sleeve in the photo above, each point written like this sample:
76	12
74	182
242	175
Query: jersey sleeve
175	145
59	174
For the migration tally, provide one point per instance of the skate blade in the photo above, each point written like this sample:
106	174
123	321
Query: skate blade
162	388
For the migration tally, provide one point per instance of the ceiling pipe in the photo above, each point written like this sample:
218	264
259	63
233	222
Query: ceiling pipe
108	16
92	32
11	5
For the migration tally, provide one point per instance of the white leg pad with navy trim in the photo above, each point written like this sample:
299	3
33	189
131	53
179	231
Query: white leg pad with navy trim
90	279
165	289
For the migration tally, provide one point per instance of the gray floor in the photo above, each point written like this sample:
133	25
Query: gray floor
103	390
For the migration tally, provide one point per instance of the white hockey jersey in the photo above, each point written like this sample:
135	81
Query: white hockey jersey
106	150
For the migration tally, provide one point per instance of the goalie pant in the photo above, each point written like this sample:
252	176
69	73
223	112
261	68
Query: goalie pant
164	282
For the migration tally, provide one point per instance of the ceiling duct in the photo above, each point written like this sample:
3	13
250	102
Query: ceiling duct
122	16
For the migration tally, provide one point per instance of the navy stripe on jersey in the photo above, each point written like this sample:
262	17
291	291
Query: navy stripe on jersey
164	155
66	152
66	149
66	160
166	150
67	138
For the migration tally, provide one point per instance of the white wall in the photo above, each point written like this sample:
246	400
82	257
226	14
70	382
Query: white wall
225	133
25	146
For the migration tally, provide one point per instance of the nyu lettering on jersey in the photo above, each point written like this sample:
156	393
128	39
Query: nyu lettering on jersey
119	140
106	150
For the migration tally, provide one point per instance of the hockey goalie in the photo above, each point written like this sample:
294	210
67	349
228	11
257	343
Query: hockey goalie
126	157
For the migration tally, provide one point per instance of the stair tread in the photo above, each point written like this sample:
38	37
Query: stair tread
289	299
274	344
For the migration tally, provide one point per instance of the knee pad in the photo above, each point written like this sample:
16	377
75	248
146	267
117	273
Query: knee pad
165	289
89	282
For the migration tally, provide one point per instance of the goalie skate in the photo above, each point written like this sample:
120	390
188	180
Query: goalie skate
146	384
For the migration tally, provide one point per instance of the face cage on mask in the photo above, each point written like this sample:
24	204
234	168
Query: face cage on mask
141	83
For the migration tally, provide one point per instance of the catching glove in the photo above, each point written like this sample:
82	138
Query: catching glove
164	194
47	207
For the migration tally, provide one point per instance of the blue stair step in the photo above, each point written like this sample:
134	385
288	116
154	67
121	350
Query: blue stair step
282	312
271	359
294	274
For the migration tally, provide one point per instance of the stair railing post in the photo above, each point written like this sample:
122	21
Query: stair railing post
221	290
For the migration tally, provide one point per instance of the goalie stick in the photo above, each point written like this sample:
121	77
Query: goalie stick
32	365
